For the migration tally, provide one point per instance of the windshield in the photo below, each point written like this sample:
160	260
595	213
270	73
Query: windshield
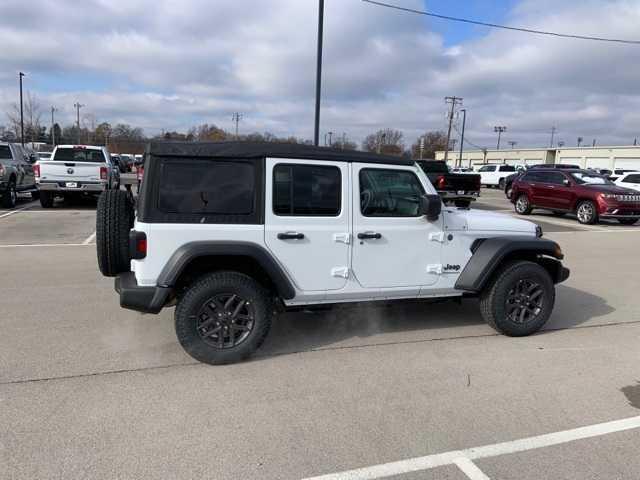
79	155
590	179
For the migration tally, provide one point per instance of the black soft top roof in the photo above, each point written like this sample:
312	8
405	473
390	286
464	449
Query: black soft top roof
267	149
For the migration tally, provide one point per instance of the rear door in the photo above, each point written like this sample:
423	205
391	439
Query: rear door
394	246
307	221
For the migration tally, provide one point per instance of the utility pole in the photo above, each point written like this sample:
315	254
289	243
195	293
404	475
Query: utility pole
330	135
20	74
594	143
453	144
560	143
453	101
236	117
421	146
316	132
78	106
553	132
464	120
53	130
499	131
512	143
344	139
580	139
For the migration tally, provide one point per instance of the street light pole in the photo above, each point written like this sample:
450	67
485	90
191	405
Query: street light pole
53	130
499	131
78	106
20	74
316	132
464	120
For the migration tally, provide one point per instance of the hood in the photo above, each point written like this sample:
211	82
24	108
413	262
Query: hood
486	221
615	189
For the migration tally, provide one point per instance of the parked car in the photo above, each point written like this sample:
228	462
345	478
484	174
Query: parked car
459	189
495	175
233	233
629	180
16	173
508	183
589	195
119	163
75	170
617	172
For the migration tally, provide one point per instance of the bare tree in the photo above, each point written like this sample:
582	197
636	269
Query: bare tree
433	142
387	141
33	129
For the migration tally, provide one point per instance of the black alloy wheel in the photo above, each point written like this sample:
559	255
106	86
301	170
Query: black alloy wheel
225	320
524	302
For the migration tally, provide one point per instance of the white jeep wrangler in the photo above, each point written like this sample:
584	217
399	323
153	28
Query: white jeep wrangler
232	233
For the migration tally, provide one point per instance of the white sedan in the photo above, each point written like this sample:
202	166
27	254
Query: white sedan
629	180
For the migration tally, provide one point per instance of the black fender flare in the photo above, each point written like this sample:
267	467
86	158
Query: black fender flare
192	250
491	252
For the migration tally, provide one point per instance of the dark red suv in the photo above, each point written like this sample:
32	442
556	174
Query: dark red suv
589	195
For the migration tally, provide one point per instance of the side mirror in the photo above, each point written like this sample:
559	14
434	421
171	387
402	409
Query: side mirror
566	182
431	206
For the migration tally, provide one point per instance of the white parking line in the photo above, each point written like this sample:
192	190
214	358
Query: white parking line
89	239
470	469
459	457
14	211
19	245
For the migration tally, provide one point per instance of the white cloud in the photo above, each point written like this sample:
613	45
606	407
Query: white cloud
167	64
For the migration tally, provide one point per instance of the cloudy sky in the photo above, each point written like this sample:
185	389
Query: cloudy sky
169	64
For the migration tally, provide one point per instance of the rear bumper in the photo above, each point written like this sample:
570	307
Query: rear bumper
140	299
82	187
452	195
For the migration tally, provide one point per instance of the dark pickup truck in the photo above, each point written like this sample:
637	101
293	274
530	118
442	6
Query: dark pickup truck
458	188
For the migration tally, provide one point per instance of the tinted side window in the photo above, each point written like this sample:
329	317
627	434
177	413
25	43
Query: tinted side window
531	177
635	178
507	168
207	187
5	152
306	190
488	168
555	177
389	193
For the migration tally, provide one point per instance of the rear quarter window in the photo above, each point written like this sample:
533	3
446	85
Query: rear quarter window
207	187
5	152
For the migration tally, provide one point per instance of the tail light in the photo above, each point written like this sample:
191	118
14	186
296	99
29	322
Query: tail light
103	173
36	170
137	245
441	182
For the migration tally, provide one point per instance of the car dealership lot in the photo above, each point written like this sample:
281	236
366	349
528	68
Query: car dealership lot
90	390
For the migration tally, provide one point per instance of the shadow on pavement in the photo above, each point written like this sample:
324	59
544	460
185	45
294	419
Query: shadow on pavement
348	325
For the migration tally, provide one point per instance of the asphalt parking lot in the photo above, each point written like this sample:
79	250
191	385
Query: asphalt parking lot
413	391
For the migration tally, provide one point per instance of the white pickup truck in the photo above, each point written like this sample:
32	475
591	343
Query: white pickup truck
75	170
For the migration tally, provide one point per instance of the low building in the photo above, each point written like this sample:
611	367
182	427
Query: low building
627	157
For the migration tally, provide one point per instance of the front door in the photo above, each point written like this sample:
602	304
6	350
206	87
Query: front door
394	246
307	221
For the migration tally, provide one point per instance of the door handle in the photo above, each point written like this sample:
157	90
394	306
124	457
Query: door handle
369	235
290	236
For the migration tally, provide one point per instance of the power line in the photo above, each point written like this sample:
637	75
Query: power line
469	142
504	27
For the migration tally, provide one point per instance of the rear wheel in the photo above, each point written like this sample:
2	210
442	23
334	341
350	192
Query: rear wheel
46	199
501	184
587	213
114	219
628	221
223	318
519	299
523	205
10	197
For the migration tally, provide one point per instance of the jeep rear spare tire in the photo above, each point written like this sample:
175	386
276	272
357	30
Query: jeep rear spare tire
519	299
223	318
114	220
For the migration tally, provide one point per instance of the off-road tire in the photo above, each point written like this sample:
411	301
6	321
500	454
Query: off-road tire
207	287
525	207
493	299
9	196
114	219
46	199
628	221
587	219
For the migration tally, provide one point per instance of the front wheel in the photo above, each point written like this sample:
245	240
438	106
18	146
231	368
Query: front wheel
628	221
519	299
587	213
223	318
523	205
